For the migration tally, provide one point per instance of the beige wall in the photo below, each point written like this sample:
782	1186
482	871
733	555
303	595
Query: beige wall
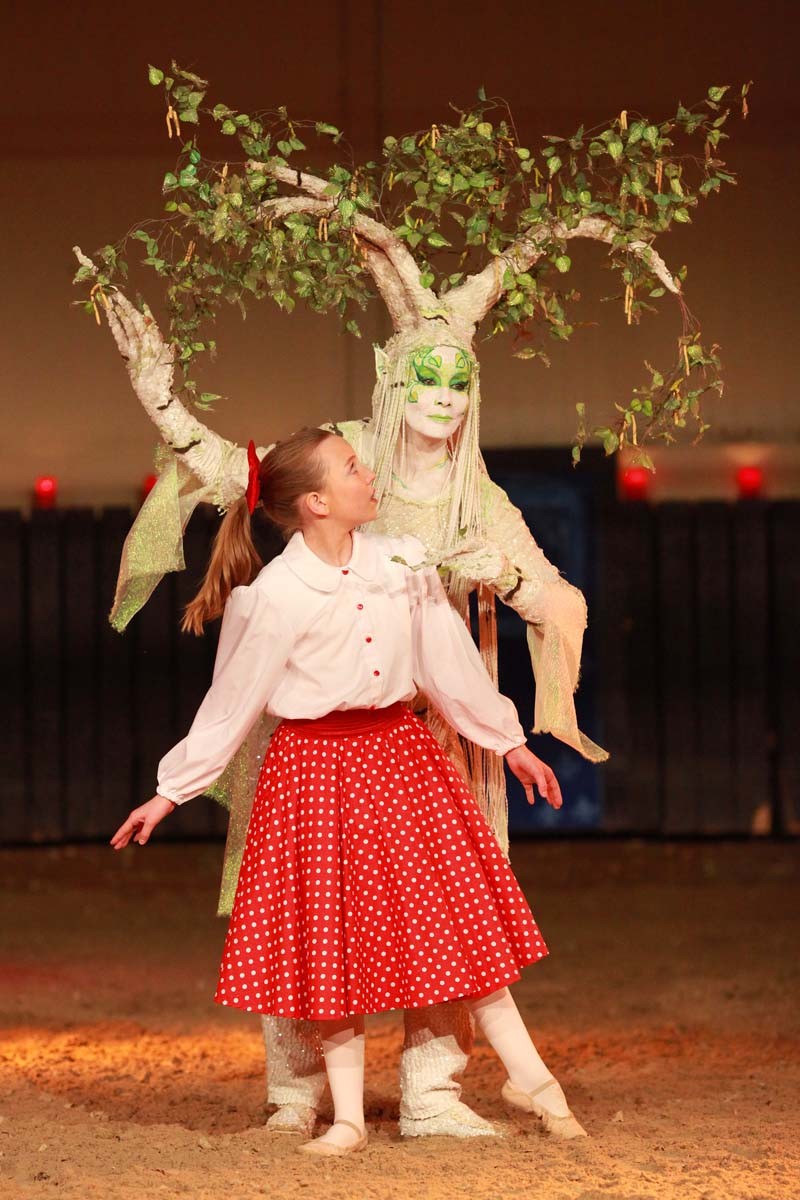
84	155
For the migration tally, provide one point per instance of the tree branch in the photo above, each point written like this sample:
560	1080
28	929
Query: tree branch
406	271
473	299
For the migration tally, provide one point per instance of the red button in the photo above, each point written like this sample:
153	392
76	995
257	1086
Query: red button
367	639
359	606
345	571
376	672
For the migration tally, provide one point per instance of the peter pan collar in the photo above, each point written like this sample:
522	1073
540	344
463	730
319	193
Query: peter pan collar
323	576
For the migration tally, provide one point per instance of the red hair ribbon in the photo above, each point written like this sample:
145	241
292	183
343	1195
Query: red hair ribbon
253	482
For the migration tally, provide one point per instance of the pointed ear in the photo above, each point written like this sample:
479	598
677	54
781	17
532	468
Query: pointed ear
381	361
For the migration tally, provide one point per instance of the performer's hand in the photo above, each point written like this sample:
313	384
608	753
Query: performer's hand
529	770
148	358
142	821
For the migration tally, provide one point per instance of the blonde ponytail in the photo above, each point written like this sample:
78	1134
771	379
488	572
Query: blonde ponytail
234	560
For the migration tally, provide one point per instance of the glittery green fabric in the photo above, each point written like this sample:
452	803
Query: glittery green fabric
154	544
235	789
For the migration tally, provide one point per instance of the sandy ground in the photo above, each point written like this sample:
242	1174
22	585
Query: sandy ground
668	1008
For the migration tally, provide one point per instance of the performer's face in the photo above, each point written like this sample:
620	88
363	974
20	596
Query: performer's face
347	493
438	395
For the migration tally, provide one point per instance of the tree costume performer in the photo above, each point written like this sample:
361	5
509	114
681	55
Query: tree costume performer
370	879
241	236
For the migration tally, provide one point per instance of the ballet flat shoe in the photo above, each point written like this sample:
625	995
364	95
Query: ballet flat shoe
329	1149
456	1121
565	1128
292	1118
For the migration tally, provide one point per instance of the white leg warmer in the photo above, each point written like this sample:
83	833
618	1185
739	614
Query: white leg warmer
438	1041
295	1066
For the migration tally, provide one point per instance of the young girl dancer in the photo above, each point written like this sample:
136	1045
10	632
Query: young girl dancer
370	879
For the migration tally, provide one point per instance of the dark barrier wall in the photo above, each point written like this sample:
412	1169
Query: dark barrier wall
689	674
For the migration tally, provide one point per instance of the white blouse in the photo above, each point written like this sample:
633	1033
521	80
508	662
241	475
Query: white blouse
306	638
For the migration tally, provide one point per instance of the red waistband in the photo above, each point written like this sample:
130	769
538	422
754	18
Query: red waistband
348	722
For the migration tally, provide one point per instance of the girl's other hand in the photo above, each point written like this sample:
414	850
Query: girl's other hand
142	821
529	770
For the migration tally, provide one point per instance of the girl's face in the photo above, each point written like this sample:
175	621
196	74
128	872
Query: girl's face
347	494
438	395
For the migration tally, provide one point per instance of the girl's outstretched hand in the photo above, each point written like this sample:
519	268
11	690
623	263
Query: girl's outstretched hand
529	770
142	821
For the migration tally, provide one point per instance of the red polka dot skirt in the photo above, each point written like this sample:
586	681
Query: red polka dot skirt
370	878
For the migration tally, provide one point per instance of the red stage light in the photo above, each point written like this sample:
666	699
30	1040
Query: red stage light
635	483
148	483
749	482
45	492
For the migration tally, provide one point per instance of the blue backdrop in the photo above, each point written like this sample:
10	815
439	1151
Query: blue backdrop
558	506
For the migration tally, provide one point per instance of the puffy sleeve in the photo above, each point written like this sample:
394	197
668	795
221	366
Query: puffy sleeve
555	613
255	642
447	664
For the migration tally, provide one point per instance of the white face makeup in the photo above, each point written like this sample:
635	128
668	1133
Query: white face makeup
438	396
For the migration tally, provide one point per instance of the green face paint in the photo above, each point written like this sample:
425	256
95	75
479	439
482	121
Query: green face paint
428	369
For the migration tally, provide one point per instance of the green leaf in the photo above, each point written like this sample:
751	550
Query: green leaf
427	279
656	292
155	76
346	208
523	153
680	214
609	439
651	135
437	239
615	149
716	93
228	127
481	92
484	129
554	164
563	263
323	127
